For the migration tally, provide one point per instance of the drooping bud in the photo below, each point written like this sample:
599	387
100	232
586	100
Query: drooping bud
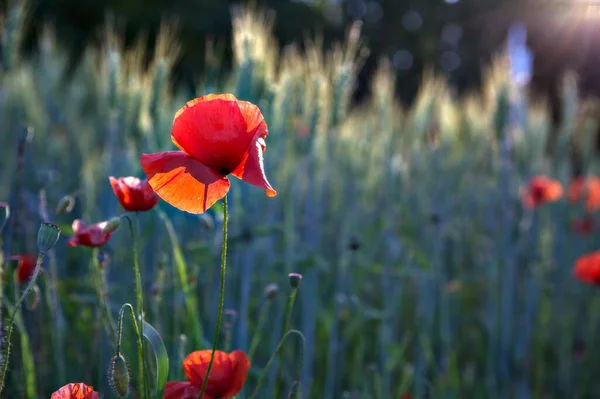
4	214
295	279
111	225
118	376
33	298
271	291
65	205
48	235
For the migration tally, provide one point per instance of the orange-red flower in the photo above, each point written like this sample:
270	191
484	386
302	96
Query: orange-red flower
587	268
585	189
217	135
583	226
89	236
540	190
75	391
227	376
134	194
25	267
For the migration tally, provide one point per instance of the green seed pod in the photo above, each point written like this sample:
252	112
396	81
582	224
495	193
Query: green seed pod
295	279
118	376
48	235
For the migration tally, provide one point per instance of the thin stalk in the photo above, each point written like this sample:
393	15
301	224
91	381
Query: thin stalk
272	358
144	388
102	293
286	327
221	296
6	351
259	326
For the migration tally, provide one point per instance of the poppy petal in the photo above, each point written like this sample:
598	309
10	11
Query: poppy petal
78	225
183	182
252	169
196	364
182	390
240	366
217	130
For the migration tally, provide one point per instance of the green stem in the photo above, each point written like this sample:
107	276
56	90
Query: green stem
272	358
6	352
221	297
102	292
259	326
286	327
144	388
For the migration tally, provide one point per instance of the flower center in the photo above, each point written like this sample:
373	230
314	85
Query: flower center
224	171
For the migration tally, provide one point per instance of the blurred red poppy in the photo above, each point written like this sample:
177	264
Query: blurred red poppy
89	236
25	267
75	391
540	190
227	376
587	268
217	135
134	194
585	189
583	226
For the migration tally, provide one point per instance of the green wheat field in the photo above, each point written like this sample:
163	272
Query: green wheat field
423	275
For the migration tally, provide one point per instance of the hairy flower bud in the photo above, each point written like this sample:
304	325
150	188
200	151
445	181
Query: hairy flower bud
65	205
118	376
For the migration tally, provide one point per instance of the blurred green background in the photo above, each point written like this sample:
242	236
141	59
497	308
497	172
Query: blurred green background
423	274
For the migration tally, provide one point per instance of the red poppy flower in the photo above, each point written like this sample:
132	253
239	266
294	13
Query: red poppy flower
217	135
89	236
25	267
583	226
586	189
75	391
134	194
540	190
587	268
227	376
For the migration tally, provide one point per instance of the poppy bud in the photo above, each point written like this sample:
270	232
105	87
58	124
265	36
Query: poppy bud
118	376
271	290
295	279
4	214
33	298
111	225
48	235
65	205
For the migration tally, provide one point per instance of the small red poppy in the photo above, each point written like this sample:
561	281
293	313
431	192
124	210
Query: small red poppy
134	194
218	135
75	391
587	268
540	190
583	226
25	267
586	189
89	236
227	376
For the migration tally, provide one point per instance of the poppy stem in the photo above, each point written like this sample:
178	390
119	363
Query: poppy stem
221	297
102	292
6	351
143	380
259	326
272	358
286	327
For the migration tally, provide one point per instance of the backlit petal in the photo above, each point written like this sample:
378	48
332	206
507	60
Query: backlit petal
183	182
252	169
239	371
217	130
182	390
196	364
75	391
